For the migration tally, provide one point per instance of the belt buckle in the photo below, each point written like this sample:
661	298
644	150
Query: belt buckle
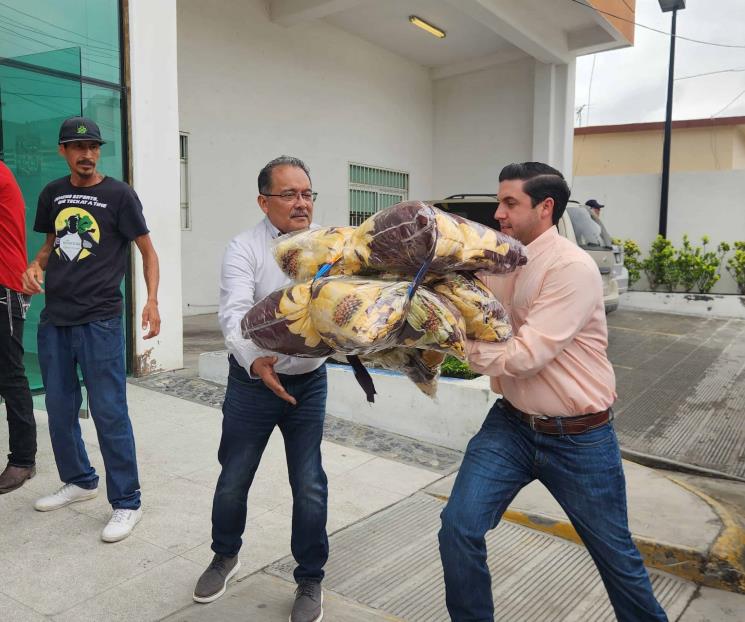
534	418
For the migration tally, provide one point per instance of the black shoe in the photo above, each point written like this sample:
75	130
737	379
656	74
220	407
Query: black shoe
14	477
214	580
308	605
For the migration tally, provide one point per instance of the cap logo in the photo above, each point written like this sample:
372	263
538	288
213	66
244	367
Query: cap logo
82	129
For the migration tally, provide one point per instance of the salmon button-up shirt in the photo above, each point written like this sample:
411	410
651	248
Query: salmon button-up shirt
556	362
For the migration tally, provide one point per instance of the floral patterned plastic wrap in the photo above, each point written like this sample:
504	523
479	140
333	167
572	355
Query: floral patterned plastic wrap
485	317
354	315
422	367
302	254
401	238
407	235
281	323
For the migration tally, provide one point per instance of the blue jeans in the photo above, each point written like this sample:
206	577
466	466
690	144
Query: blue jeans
583	472
250	413
98	348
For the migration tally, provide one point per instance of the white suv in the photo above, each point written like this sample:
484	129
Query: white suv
576	224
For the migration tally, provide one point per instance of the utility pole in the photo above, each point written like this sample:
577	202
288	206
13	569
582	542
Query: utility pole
668	5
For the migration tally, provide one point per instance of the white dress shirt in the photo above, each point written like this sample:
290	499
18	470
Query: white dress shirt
250	273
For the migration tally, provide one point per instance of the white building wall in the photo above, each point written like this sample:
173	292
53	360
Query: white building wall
700	203
155	171
250	90
483	121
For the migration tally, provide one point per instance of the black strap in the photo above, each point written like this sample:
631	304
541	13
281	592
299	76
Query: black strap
363	377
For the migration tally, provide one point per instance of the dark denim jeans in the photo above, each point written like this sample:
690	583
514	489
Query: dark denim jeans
583	472
250	413
13	382
98	348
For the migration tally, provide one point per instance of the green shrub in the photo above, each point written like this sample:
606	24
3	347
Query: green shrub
711	265
660	266
736	265
632	260
453	368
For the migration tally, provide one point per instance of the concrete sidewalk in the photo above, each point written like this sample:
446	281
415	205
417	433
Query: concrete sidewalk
54	566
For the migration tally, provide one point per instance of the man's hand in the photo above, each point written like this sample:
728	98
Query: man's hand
263	367
32	279
151	319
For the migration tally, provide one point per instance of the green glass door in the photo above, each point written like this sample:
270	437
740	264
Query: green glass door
34	104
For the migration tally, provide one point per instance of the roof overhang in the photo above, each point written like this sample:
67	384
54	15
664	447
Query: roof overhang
479	32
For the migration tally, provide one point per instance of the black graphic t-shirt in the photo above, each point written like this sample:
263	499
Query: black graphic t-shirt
93	227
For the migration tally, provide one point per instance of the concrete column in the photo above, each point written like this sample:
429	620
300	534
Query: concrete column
553	118
155	171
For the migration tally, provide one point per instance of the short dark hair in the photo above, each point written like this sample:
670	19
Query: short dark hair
265	175
541	181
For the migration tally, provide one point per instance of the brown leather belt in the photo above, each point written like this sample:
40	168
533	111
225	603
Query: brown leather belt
561	425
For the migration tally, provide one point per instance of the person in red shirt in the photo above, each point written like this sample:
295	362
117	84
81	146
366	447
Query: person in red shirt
13	306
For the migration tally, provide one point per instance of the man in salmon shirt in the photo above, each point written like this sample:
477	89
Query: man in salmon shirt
553	422
13	306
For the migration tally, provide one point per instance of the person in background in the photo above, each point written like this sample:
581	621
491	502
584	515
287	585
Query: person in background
594	207
89	220
14	387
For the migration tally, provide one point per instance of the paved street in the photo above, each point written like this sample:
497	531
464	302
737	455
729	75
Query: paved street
681	387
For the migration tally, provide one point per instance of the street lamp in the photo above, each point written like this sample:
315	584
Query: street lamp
666	6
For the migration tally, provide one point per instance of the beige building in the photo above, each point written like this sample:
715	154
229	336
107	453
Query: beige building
621	165
636	148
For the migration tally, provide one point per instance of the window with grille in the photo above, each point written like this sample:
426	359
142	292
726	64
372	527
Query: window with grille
184	157
372	189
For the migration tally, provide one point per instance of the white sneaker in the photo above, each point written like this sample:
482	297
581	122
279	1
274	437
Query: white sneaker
121	524
69	493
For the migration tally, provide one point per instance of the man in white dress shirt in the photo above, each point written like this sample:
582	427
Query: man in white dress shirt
267	390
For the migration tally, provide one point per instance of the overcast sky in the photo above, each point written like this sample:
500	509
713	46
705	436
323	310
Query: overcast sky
630	85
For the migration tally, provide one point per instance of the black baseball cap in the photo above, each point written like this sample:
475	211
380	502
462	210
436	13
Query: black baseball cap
79	128
594	204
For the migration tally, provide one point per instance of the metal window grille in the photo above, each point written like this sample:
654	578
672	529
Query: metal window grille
184	157
372	189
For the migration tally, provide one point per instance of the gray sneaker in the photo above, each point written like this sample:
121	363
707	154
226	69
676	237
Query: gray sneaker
214	580
308	605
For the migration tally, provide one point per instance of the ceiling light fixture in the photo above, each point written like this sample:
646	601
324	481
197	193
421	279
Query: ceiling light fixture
433	30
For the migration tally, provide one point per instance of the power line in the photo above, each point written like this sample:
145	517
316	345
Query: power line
710	73
589	88
738	96
662	32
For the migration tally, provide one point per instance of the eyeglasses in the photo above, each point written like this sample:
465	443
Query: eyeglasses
289	196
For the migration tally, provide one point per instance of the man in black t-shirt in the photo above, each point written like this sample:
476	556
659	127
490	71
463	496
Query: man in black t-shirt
89	220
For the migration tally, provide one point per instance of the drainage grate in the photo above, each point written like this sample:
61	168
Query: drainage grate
390	561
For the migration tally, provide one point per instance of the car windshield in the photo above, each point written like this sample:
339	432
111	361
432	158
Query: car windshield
589	232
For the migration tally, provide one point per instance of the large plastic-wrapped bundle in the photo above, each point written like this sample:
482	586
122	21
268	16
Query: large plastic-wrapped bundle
401	238
302	254
281	323
422	367
353	315
407	235
485	317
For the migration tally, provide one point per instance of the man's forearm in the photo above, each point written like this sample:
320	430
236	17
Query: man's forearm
42	257
151	269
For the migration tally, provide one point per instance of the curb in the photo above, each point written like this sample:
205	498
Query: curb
656	462
721	567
